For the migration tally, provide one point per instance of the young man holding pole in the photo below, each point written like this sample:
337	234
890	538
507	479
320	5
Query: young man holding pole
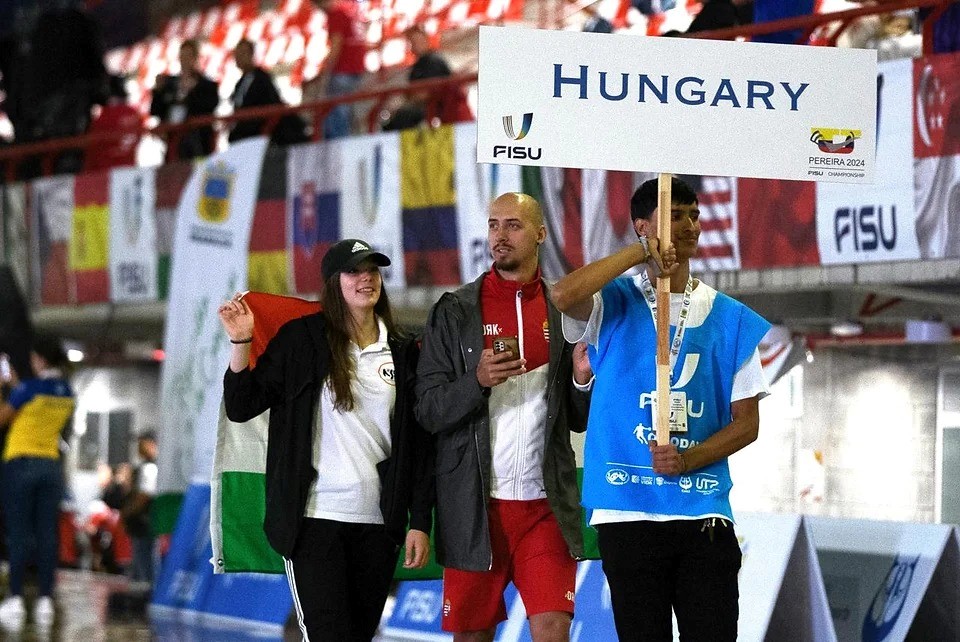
662	510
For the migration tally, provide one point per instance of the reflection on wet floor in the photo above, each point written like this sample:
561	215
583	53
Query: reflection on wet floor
81	612
85	612
98	607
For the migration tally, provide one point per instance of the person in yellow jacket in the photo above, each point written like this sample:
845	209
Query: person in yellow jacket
36	411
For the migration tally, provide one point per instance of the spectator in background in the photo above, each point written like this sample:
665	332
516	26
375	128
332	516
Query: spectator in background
136	508
110	547
177	98
257	89
37	411
449	104
896	38
715	14
67	72
115	116
595	23
343	68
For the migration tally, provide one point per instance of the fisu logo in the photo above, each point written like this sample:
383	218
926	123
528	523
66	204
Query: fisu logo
524	126
690	363
517	152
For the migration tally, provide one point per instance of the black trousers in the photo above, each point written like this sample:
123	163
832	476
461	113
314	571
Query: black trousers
690	566
340	576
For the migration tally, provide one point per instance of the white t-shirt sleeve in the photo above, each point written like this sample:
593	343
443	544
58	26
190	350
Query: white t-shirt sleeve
148	479
750	380
575	330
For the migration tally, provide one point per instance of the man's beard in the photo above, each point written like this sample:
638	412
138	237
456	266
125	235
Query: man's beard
506	264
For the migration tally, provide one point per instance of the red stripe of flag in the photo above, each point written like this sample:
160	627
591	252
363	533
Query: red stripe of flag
570	195
716	225
269	231
715	198
619	191
715	252
91	189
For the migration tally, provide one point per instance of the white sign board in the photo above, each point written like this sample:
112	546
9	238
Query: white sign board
782	596
608	101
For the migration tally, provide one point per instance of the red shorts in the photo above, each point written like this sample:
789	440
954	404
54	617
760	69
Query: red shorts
528	549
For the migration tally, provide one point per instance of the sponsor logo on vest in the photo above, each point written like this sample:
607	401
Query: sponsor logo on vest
617	476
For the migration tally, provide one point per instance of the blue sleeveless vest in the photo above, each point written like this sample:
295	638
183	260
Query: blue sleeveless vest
617	470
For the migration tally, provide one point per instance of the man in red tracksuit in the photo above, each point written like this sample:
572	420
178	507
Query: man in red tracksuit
507	498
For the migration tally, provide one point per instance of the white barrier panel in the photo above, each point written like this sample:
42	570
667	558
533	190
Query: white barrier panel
886	580
782	596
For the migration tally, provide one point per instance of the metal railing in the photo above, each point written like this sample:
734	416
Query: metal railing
45	153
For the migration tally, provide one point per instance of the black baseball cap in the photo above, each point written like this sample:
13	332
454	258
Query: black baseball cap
347	254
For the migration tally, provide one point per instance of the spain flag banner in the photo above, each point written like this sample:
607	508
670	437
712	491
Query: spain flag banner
71	217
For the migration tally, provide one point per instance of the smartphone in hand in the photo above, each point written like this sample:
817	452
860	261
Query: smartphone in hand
507	344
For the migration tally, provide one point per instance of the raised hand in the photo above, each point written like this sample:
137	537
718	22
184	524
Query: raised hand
663	263
237	318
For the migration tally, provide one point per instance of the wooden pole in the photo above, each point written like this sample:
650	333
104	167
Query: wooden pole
664	215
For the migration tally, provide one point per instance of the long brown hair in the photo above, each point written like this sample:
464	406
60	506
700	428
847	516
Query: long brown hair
338	321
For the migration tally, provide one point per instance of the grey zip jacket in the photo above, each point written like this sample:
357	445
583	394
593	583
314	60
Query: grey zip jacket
452	405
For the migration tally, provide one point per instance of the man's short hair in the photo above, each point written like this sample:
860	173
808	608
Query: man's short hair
646	198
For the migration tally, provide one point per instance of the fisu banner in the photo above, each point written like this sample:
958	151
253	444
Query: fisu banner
133	235
609	101
873	223
209	265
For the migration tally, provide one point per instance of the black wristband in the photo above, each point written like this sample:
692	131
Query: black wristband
241	341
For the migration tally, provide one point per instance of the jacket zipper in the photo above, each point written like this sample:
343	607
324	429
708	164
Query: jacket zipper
518	465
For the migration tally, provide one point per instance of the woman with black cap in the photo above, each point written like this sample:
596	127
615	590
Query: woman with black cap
348	467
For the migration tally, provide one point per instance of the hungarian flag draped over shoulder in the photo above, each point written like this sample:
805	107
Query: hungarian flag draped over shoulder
238	484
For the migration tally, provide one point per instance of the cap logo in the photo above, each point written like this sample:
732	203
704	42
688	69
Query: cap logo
358	247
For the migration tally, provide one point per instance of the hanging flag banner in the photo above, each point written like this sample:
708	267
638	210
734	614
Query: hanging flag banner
209	266
428	201
676	105
478	184
874	223
133	235
936	152
313	210
370	199
51	212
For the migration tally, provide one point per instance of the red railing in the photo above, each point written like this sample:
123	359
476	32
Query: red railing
47	152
